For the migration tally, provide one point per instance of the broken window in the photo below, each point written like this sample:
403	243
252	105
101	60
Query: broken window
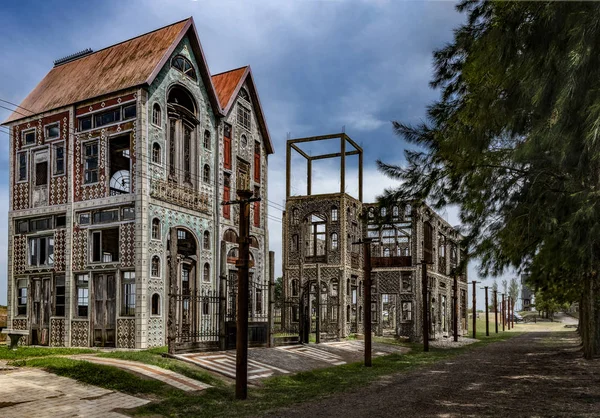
406	282
41	251
244	95
90	174
83	294
105	246
119	160
22	166
317	238
22	297
407	311
184	65
295	216
128	293
155	268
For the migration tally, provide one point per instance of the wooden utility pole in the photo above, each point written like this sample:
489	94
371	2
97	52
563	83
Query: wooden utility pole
455	299
425	307
271	298
496	309
474	309
173	262
513	313
508	312
242	264
366	243
503	315
487	314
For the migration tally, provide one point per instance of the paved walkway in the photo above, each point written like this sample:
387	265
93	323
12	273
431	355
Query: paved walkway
166	376
267	362
538	374
26	392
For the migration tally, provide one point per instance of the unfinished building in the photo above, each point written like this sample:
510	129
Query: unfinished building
323	262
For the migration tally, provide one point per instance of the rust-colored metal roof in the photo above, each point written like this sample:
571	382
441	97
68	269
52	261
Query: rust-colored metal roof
121	66
226	84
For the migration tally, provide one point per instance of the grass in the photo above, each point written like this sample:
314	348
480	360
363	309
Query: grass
28	352
281	391
155	357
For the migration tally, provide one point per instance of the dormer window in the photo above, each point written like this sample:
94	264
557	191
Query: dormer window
244	95
184	65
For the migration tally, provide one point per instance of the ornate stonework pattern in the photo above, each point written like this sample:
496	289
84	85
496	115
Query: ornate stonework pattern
21	196
21	324
80	333
80	248
126	333
156	332
59	250
58	190
127	242
19	253
58	333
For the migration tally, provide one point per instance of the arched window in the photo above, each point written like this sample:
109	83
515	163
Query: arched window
230	236
244	94
254	242
395	211
295	242
155	228
206	174
334	241
155	268
244	141
206	139
156	304
184	65
334	214
156	115
206	240
206	275
156	156
295	216
182	149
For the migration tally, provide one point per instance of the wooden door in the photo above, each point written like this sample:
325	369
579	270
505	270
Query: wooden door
104	310
42	309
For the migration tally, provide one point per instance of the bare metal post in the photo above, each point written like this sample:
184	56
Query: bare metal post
318	325
496	309
223	297
425	307
271	342
503	314
366	243
474	309
171	326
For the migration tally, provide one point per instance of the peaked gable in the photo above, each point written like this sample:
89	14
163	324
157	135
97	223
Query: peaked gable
128	64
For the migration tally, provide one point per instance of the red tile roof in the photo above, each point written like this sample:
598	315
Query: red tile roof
124	65
226	83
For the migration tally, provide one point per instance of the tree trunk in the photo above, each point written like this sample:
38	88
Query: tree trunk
588	317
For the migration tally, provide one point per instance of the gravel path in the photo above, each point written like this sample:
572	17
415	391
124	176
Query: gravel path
537	374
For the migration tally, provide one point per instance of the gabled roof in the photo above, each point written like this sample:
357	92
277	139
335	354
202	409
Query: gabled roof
125	65
228	85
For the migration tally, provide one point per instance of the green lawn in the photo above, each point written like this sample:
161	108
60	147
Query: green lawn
27	352
155	357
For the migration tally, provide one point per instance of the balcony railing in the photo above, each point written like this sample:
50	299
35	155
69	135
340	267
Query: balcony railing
180	195
400	261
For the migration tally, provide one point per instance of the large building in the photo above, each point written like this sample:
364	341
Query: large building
323	265
111	151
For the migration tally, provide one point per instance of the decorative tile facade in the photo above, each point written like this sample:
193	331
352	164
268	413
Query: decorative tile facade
80	333
58	332
126	333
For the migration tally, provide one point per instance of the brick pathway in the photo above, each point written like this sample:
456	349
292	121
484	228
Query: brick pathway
166	376
224	363
36	393
315	353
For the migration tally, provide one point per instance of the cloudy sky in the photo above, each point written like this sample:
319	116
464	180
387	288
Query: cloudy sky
320	67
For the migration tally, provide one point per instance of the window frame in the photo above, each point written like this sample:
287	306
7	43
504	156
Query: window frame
101	250
154	258
206	240
157	161
85	158
206	174
206	273
49	256
47	127
185	72
55	146
206	140
158	305
154	114
56	296
24	133
20	297
18	167
244	117
79	285
155	236
128	293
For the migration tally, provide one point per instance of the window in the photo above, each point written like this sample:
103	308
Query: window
52	131
226	196
371	212
383	212
244	141
156	304
256	208
41	251
156	115
244	95
181	234
206	240
108	117
184	65
294	287
85	123
128	293
28	137
127	214
295	216
407	210
230	236
84	218
155	228
155	266
22	166
59	159
156	155
243	116
206	275
254	242
129	112
206	174
22	227
295	242
407	311
22	297
334	241
41	173
317	238
334	214
90	174
258	305
105	246
206	139
257	161
395	211
104	216
83	295
227	146
60	221
59	296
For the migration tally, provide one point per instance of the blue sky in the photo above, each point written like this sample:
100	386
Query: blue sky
318	65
